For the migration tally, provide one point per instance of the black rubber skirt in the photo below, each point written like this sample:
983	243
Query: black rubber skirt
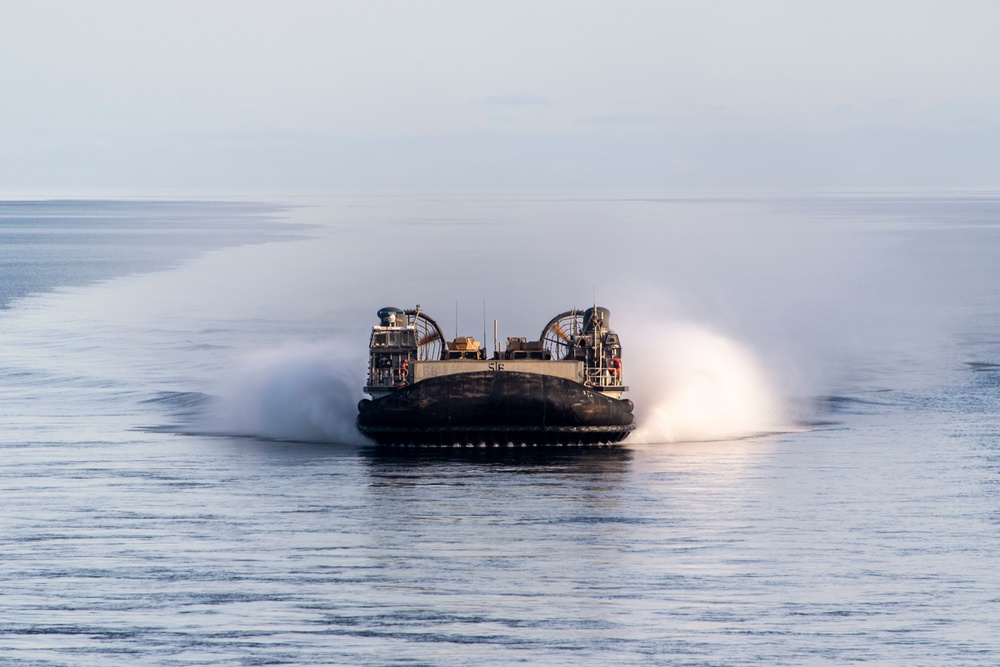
496	407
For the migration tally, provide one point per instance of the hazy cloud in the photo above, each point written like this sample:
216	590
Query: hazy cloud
521	100
627	119
390	93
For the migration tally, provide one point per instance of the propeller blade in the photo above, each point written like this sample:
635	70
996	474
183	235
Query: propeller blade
429	338
558	330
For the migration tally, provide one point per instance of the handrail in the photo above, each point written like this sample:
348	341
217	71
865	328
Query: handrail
603	377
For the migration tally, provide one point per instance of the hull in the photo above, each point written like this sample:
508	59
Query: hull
497	408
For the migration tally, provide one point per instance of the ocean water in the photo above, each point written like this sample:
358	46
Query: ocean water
815	480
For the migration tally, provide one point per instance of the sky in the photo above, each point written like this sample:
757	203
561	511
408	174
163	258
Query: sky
307	94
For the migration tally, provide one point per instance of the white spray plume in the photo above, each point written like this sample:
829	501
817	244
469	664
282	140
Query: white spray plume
297	392
690	383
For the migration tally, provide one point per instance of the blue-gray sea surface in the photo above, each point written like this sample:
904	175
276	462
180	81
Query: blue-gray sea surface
180	483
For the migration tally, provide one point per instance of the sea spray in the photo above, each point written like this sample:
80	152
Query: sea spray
303	392
688	383
691	383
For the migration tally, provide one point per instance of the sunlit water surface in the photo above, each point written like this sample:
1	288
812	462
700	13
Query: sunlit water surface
181	484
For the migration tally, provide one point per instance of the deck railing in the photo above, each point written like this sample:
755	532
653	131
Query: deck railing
603	377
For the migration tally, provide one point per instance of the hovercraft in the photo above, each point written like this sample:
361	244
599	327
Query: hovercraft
563	389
